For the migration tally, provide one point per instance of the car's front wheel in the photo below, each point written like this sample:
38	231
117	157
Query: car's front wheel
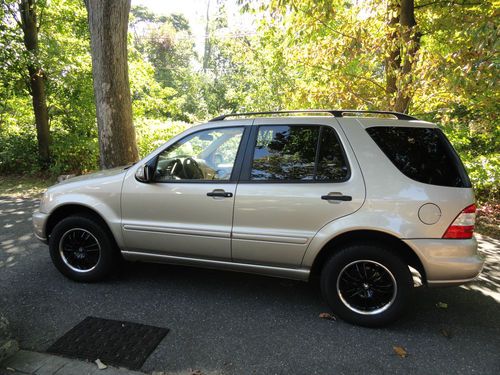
366	285
82	249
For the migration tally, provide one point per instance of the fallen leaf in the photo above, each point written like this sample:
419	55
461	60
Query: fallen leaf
196	372
100	365
445	333
400	351
442	305
10	369
327	316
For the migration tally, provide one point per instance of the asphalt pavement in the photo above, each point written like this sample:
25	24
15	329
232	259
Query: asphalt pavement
232	323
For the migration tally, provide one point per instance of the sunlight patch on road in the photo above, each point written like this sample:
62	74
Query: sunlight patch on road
488	281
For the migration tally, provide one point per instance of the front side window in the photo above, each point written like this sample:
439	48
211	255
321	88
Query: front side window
206	155
298	153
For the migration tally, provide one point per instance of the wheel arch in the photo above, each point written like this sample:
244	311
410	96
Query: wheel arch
72	209
396	245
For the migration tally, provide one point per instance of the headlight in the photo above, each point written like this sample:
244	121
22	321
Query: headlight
43	202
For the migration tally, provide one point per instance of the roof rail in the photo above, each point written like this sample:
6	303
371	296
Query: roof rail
333	112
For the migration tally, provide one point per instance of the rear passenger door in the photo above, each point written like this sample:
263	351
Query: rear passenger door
298	175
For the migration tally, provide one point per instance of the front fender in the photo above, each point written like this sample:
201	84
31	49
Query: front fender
111	215
102	196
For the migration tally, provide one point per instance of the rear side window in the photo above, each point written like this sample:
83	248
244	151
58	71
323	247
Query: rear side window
298	153
422	154
332	165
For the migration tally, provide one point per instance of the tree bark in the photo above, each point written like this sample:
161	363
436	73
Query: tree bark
27	11
207	47
393	58
108	23
404	42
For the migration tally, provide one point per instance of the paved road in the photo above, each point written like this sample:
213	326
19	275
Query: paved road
233	323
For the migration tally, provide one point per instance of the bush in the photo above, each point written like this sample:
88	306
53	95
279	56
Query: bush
70	152
18	151
151	134
73	151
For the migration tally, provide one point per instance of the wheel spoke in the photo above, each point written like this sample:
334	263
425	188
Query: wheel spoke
382	290
352	277
358	292
364	270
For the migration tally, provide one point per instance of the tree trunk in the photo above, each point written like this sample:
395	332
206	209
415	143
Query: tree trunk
207	47
404	42
393	58
27	11
108	22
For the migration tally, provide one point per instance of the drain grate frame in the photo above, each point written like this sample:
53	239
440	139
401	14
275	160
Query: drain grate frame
114	342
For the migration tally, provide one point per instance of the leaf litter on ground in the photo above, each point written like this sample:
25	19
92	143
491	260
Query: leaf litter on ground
445	333
100	365
400	351
327	316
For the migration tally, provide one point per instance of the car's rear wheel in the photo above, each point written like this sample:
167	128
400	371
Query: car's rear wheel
82	249
366	285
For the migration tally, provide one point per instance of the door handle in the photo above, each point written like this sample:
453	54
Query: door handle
220	193
337	197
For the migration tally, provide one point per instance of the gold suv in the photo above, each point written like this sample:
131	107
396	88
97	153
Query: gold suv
358	199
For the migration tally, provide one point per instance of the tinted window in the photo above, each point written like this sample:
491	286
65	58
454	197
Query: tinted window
285	153
290	153
331	162
422	154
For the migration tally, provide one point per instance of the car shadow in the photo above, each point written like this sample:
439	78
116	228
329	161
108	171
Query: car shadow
449	309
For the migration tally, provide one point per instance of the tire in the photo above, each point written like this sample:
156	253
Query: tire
82	249
366	285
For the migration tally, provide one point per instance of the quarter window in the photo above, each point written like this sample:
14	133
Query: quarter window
422	154
298	153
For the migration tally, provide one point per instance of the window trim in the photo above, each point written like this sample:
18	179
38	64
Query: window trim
238	162
249	154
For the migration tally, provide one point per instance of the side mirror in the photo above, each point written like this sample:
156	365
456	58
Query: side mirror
144	173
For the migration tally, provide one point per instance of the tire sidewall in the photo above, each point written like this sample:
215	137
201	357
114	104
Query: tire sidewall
107	248
392	262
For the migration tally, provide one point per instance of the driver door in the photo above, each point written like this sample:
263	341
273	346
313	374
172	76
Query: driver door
187	210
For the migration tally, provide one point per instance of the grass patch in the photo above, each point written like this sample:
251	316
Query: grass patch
23	186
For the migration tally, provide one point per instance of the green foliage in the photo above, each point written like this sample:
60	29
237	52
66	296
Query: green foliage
332	54
163	78
18	153
151	134
65	58
303	54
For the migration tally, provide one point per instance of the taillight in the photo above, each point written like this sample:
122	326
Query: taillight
463	226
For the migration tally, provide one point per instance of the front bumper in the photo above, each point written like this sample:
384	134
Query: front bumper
39	224
448	262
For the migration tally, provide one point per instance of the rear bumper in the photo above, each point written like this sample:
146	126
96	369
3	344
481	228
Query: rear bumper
448	262
39	221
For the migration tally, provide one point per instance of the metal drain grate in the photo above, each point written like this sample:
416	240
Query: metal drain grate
113	342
